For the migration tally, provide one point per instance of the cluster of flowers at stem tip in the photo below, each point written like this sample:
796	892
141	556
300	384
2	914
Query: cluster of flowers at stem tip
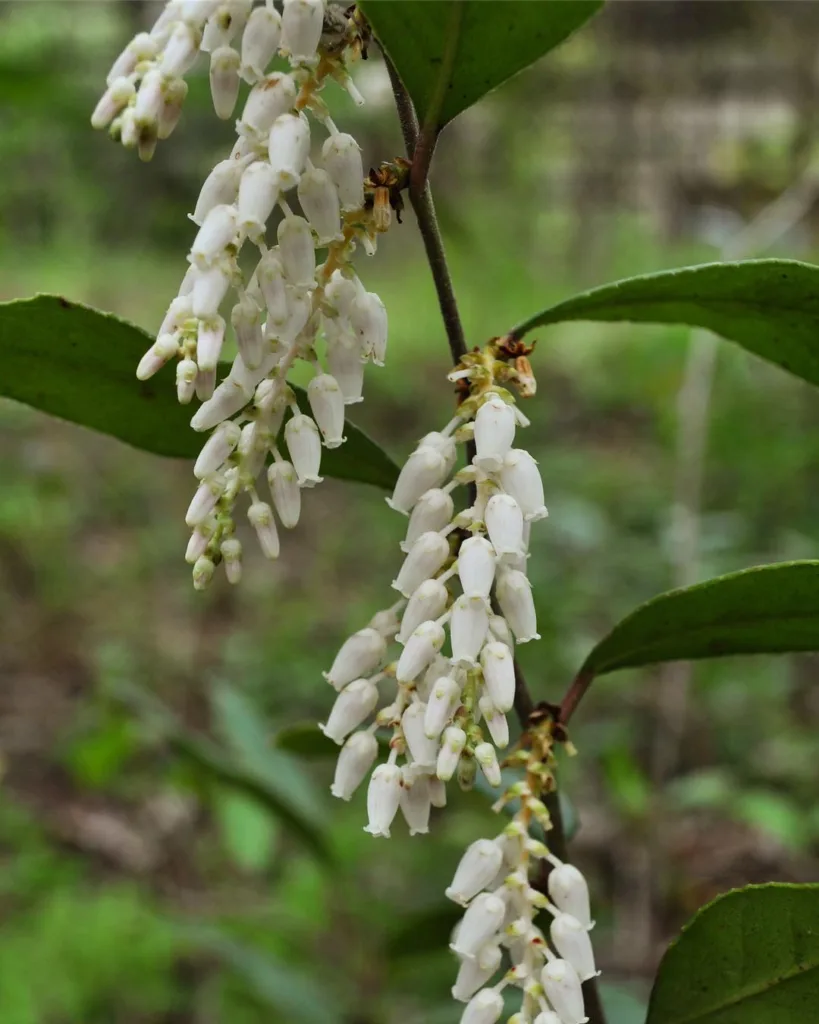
280	310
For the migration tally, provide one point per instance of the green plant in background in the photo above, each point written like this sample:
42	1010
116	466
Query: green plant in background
447	717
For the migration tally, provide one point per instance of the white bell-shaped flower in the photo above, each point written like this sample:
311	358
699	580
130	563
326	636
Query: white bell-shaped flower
210	337
226	401
218	231
426	556
341	155
273	286
476	870
220	188
547	1017
174	93
514	594
260	40
467	628
204	500
209	290
474	972
197	545
359	655
299	307
115	98
498	665
227	20
247	325
263	522
164	348
352	707
284	488
496	722
186	373
269	99
353	764
481	921
443	701
572	941
148	104
433	511
302	23
499	630
563	991
504	524
218	447
368	319
570	892
319	200
452	745
423	750
327	406
340	292
484	1008
224	80
258	194
304	445
423	470
383	798
346	365
415	801
494	433
142	47
419	650
520	477
487	758
288	148
181	51
476	566
443	443
298	251
427	602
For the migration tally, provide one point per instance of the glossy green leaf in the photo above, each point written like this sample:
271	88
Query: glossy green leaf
750	957
769	609
770	307
452	52
77	363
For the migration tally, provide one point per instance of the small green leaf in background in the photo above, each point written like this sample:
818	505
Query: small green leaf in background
750	957
79	364
305	739
770	609
450	54
248	830
770	307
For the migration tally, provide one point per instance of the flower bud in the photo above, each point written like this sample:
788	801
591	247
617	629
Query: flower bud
415	801
494	433
261	519
341	155
197	545
164	348
204	501
477	868
319	201
354	761
499	628
203	571
327	405
424	469
269	99
495	722
270	278
115	98
299	308
258	194
218	231
504	524
281	477
427	602
432	512
452	746
444	698
476	566
571	940
304	445
298	252
547	1017
226	401
383	797
205	384
224	80
302	24
467	628
142	47
180	52
368	318
220	188
231	550
352	707
437	791
563	991
484	1008
476	971
514	593
260	39
481	921
210	336
174	94
218	447
427	555
570	892
288	148
423	751
498	667
346	365
487	758
520	477
419	651
186	371
246	320
209	290
359	655
340	292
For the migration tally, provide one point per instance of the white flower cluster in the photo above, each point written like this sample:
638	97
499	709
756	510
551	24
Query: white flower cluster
279	311
455	563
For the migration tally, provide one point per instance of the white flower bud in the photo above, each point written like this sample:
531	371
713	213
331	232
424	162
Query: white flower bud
452	746
149	99
467	628
494	433
226	21
302	23
499	628
288	148
423	751
427	602
571	940
260	39
298	253
319	201
327	406
246	319
209	290
437	791
180	52
504	524
186	370
304	444
231	550
386	622
341	155
142	47
218	231
174	94
226	401
475	972
477	868
218	447
427	555
547	1017
570	892
346	365
224	80
419	651
261	519
299	308
495	722
520	477
352	707
258	194
204	501
203	571
359	655
197	545
487	758
383	797
498	667
415	801
514	594
340	292
205	384
269	99
563	991
220	188
444	444
354	761
476	566
444	698
128	129
281	477
485	1008
209	339
115	98
270	278
424	469
481	921
164	348
368	319
432	512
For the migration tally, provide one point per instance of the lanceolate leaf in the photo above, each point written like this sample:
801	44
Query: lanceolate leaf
769	609
750	957
77	363
450	53
770	307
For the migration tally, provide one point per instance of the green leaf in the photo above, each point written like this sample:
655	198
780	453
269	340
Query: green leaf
450	54
77	363
770	307
305	739
769	609
750	957
248	830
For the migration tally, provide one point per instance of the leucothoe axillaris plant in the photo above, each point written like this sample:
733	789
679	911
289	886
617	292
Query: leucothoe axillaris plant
465	601
281	303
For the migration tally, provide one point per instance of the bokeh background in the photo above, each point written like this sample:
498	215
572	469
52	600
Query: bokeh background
136	885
